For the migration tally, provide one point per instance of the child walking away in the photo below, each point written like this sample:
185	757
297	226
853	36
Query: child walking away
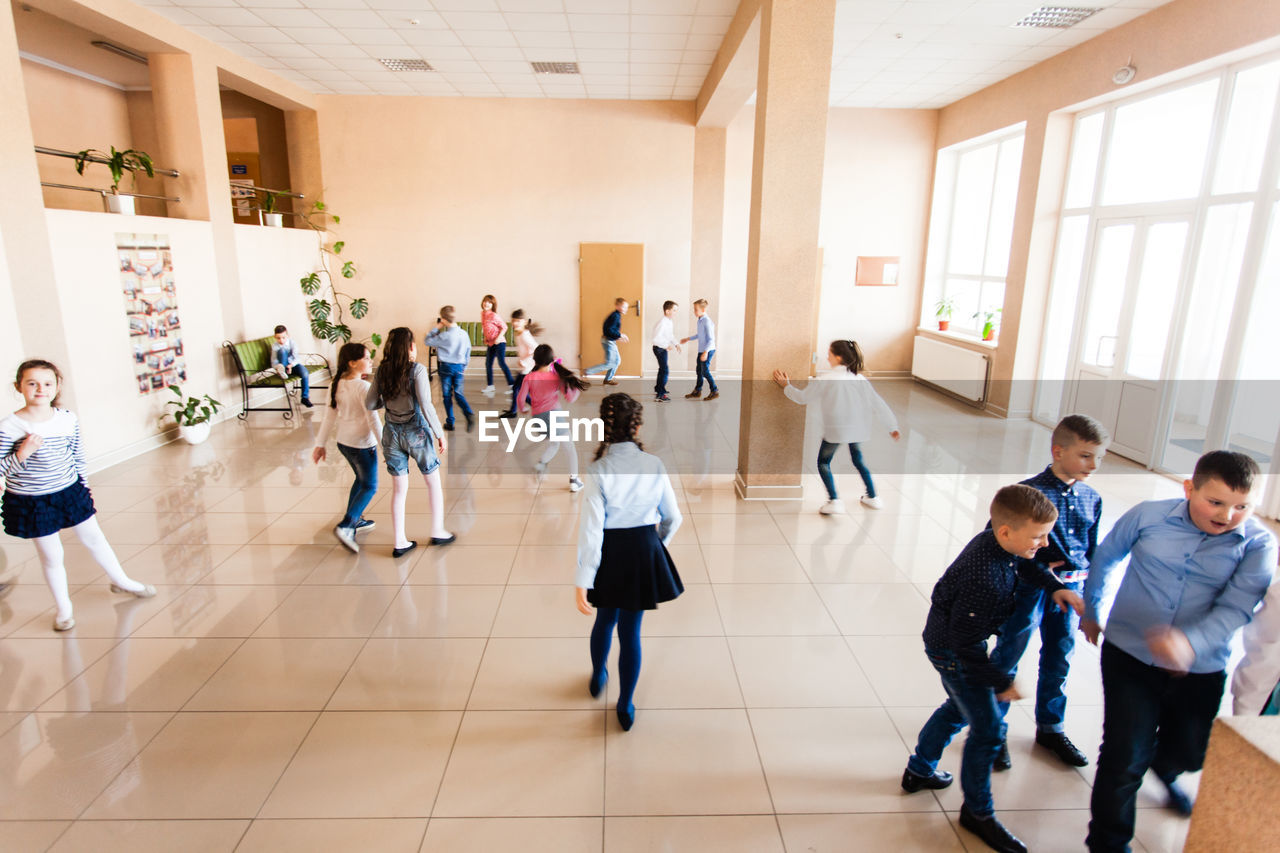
284	358
846	402
412	432
358	430
546	386
970	602
611	333
629	516
1078	445
1197	569
45	488
494	330
664	340
706	338
453	348
525	329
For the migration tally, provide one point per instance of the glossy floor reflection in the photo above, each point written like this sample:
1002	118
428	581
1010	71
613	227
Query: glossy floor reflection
283	694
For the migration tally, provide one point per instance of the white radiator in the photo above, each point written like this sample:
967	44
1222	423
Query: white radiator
961	371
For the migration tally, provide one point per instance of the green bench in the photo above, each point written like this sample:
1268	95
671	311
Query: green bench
475	331
252	361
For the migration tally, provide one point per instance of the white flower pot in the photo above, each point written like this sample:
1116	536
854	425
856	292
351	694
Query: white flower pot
119	203
273	220
194	434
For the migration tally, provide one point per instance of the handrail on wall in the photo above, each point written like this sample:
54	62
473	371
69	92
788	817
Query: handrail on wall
266	190
105	193
58	152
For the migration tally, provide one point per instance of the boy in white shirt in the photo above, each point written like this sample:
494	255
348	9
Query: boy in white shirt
664	340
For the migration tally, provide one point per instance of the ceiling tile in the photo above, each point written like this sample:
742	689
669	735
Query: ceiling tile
458	66
659	7
656	41
285	50
432	52
866	11
604	67
534	40
342	50
254	35
352	18
228	17
599	23
537	22
291	18
530	5
620	41
717	7
430	37
350	64
656	56
381	36
475	20
677	24
664	68
181	16
465	5
403	20
594	55
496	52
704	41
602	6
714	24
316	36
487	38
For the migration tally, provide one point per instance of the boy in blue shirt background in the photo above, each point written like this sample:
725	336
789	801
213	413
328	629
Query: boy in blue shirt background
453	350
284	358
1198	568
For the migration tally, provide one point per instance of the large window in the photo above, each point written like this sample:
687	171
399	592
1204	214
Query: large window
976	189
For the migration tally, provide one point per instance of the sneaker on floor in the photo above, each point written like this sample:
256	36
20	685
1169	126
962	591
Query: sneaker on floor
575	485
832	507
448	426
714	395
347	536
488	389
611	382
693	395
364	525
872	503
307	402
662	398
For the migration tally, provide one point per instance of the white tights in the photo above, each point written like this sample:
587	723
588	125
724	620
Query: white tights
553	447
400	493
49	549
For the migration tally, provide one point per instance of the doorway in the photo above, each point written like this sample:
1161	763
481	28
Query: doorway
606	272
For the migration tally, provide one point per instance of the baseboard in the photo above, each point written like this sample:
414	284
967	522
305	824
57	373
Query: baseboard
766	493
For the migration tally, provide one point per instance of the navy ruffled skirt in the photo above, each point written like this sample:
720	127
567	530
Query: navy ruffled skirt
33	516
636	572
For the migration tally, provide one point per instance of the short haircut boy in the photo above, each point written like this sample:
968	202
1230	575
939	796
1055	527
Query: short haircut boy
1075	428
702	303
1237	471
668	305
1014	506
447	313
280	329
619	301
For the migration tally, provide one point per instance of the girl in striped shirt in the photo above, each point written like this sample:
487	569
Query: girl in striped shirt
45	490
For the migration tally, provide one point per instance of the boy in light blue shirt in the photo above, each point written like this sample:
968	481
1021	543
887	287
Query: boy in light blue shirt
706	338
453	349
1197	570
284	358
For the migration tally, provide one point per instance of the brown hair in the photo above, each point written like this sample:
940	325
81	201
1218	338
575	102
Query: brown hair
850	355
534	328
704	303
1236	470
622	416
395	373
347	355
668	305
493	303
544	355
1075	428
280	329
1015	505
40	364
447	313
619	301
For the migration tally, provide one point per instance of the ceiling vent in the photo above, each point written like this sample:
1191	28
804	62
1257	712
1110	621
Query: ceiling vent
1056	17
407	64
555	68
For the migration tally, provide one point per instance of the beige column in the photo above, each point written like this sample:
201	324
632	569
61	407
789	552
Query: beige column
188	113
782	274
302	134
708	218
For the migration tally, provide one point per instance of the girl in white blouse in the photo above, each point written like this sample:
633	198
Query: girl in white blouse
847	404
358	430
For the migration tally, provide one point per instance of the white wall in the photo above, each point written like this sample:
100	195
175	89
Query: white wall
271	260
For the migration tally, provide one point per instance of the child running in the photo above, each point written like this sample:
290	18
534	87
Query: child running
412	432
358	430
494	329
846	402
46	490
546	385
629	516
525	329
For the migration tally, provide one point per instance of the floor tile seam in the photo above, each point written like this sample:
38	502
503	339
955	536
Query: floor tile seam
80	673
285	768
173	715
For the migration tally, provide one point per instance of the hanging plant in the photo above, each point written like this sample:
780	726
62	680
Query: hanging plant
326	308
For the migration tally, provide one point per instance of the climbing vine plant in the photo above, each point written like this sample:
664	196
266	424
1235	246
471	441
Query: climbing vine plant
329	306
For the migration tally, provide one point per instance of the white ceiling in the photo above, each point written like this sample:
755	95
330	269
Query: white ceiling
888	53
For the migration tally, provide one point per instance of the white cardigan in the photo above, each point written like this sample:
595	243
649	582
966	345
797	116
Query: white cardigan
1259	672
848	406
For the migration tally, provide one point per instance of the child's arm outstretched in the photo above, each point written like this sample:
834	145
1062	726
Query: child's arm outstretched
590	540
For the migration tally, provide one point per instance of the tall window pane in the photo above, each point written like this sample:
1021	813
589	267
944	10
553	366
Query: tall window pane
1085	147
1158	146
1255	418
1067	266
969	213
1111	270
1213	291
1157	295
1245	142
1004	198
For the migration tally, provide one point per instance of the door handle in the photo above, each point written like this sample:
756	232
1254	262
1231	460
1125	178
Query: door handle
1097	356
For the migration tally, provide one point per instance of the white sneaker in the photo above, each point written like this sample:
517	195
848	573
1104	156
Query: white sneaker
540	470
347	536
872	503
832	507
488	389
575	485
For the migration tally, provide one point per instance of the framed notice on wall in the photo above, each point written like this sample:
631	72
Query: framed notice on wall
151	308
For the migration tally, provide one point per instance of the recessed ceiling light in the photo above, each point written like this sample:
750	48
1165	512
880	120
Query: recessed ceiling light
1056	17
407	64
119	51
555	67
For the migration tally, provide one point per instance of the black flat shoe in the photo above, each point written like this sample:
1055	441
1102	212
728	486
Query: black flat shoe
444	540
448	427
400	552
912	782
1003	761
471	423
509	413
1061	746
627	717
597	684
992	832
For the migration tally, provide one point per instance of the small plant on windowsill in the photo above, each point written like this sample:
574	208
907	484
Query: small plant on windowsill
990	323
945	307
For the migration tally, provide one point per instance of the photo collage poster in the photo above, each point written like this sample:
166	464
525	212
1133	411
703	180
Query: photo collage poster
151	305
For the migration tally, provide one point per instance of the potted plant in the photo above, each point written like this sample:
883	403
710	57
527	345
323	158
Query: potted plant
193	415
270	217
328	320
944	309
119	162
989	323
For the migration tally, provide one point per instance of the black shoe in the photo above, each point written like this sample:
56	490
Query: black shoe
471	422
1061	746
1179	800
912	782
509	413
1003	761
448	426
444	540
364	525
992	832
400	552
626	717
307	402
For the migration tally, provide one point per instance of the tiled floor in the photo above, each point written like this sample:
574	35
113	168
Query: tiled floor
282	694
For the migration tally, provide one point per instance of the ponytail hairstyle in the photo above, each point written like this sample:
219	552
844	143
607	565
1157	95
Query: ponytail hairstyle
534	328
493	303
850	355
622	416
544	355
347	355
40	364
395	373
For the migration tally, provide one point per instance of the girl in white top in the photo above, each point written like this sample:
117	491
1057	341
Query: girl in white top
847	404
43	465
1256	684
358	430
524	330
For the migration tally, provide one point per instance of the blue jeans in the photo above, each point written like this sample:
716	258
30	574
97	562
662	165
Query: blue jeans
704	372
451	387
660	387
412	440
1032	607
300	371
497	352
1151	719
967	703
827	452
611	360
628	624
364	461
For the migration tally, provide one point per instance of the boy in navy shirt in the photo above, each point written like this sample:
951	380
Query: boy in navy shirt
971	601
611	333
1078	445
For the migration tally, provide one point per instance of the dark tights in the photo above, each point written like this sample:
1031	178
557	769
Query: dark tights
628	622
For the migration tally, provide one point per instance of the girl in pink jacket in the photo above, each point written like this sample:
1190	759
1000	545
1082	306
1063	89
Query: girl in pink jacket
494	329
545	387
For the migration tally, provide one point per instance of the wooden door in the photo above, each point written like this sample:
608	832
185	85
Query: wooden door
606	272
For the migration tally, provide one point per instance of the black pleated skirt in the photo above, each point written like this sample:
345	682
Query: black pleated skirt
636	572
33	516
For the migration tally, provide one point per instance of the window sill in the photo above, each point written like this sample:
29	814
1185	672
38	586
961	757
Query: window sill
972	340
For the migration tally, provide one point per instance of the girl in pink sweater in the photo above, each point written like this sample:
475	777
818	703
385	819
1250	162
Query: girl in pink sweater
494	329
549	383
524	329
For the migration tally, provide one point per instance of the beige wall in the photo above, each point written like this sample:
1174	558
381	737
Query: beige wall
273	150
475	196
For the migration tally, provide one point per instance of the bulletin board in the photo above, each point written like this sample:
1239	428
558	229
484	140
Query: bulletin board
151	308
